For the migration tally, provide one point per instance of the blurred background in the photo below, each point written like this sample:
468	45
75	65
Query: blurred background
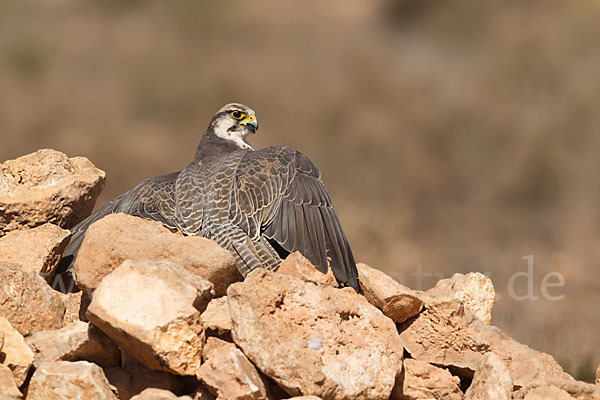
453	136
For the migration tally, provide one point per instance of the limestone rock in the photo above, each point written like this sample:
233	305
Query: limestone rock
15	354
69	380
474	290
76	342
447	334
420	380
304	398
299	266
491	381
543	387
150	309
118	237
28	302
547	393
216	316
228	374
8	387
311	340
133	380
155	394
158	394
396	301
47	186
36	250
75	307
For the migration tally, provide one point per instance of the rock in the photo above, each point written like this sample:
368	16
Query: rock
597	375
47	186
8	387
299	266
28	302
37	250
311	340
474	290
75	307
420	380
133	380
396	301
573	388
150	309
216	316
228	374
69	380
491	381
15	355
547	393
118	237
447	334
304	398
158	394
155	394
76	342
1	340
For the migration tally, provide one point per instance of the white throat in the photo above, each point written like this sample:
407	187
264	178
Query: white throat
237	137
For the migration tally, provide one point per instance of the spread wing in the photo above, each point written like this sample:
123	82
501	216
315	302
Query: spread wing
280	195
153	198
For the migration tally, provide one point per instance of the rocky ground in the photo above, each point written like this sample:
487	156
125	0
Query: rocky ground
163	316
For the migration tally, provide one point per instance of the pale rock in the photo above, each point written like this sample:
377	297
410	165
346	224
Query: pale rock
299	266
47	186
37	250
447	334
28	302
541	387
228	374
597	375
79	341
395	300
1	340
8	387
216	316
474	290
75	306
420	380
60	380
548	393
311	340
155	394
134	379
158	394
304	398
15	354
118	237
151	310
492	380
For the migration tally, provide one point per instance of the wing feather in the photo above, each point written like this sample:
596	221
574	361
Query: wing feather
289	204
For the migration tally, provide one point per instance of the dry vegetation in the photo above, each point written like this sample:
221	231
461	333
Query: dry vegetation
457	136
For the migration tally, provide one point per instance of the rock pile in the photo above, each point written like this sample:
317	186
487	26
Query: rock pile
163	316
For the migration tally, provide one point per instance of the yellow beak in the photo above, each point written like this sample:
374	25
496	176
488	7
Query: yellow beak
251	123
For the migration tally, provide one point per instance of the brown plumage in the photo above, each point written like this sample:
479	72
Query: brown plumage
260	205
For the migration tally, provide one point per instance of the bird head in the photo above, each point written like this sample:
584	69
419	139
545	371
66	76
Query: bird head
234	122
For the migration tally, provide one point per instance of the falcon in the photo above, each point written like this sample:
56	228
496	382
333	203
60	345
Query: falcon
259	204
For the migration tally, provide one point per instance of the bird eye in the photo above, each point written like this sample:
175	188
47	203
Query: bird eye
238	114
